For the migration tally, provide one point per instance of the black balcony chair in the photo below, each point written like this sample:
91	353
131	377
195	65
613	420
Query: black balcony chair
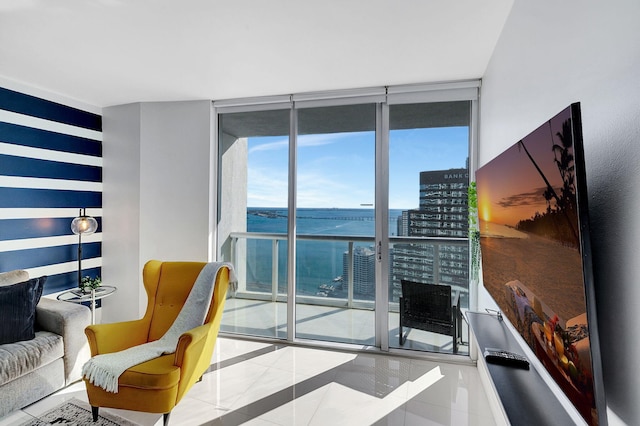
430	307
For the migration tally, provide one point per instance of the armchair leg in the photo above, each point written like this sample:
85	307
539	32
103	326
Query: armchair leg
165	418
403	337
94	413
455	332
400	320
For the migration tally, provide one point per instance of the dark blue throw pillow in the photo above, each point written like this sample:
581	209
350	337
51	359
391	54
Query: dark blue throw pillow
18	310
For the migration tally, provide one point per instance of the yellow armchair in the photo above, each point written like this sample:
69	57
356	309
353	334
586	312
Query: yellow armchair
156	386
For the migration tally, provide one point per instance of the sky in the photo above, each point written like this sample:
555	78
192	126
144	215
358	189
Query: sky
338	170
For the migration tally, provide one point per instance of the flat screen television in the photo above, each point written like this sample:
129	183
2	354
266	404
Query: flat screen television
536	260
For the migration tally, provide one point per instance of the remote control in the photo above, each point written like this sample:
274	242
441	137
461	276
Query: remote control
502	357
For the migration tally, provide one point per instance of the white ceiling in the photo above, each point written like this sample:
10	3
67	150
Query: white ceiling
110	52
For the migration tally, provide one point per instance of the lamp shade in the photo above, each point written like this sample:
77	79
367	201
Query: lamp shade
84	224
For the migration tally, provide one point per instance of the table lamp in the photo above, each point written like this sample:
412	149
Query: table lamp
82	225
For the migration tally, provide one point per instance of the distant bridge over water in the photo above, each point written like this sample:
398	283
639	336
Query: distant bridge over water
273	215
341	218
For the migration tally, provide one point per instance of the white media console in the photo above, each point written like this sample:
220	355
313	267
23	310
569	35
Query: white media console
524	398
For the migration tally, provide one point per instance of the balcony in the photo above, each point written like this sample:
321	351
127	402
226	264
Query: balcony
338	308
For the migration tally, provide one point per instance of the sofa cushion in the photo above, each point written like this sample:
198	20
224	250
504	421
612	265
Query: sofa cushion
20	358
13	277
18	310
158	373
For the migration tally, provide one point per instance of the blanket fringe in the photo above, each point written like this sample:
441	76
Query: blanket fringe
99	376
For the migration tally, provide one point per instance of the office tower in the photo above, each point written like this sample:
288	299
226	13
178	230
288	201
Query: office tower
443	212
364	269
403	224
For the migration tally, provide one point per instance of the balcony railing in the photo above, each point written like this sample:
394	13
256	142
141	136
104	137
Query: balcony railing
437	260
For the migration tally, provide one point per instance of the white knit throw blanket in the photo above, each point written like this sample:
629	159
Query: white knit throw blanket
104	370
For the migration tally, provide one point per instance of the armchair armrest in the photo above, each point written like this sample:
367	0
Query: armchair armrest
69	321
114	337
455	300
193	355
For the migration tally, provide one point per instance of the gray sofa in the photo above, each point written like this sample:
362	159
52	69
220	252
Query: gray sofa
33	369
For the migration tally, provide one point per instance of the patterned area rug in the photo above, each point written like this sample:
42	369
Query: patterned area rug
76	412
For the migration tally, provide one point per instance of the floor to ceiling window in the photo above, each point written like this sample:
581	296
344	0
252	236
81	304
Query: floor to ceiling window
334	205
253	149
326	202
428	181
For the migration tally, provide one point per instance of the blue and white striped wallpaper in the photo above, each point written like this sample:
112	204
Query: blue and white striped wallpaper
50	167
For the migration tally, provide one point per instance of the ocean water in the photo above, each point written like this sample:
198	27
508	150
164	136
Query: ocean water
318	262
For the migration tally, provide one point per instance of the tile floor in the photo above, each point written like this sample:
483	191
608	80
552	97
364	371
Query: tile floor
258	383
326	323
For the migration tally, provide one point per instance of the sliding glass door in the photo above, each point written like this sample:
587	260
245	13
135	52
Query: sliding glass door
253	152
428	181
335	259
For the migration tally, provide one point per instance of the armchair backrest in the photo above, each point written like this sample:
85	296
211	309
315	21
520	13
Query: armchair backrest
168	285
432	301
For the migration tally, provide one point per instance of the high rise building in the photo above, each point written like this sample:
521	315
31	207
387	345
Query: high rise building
364	270
442	212
403	224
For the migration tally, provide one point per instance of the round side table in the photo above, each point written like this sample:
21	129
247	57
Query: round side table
79	296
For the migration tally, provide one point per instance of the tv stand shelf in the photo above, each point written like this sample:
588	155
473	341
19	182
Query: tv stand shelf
525	397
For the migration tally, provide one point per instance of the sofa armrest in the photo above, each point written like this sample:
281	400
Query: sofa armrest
69	321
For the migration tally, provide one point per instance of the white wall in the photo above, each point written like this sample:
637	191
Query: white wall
121	218
233	190
156	193
549	55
